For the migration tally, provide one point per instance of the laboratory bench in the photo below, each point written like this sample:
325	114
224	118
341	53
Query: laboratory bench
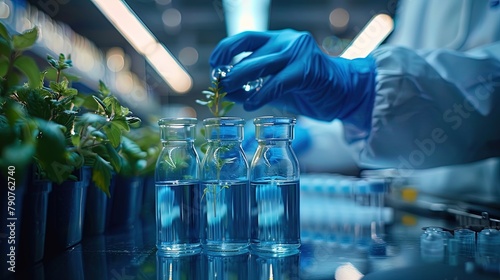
339	241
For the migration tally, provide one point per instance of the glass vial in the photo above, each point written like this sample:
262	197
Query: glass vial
177	195
274	187
224	176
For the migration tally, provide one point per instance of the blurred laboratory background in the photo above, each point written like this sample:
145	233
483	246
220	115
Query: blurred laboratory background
153	55
121	54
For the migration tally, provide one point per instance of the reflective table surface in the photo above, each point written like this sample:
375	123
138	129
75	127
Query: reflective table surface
334	246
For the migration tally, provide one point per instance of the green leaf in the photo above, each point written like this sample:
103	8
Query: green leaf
114	134
4	66
201	102
90	118
114	157
121	123
14	112
5	48
66	119
3	31
52	62
85	101
76	140
131	149
98	134
75	159
25	40
99	149
103	88
51	141
207	92
101	174
133	120
36	103
51	151
29	68
17	154
100	104
226	107
12	80
113	106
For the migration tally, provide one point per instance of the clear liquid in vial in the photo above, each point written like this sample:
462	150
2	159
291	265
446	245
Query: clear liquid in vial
225	221
275	215
178	217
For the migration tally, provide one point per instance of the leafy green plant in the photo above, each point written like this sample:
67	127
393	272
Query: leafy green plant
89	139
51	122
100	135
53	109
20	132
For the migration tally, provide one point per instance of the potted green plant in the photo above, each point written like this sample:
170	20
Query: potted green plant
101	129
74	133
88	153
147	137
127	196
19	143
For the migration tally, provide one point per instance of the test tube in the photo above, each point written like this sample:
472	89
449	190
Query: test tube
432	246
488	249
466	242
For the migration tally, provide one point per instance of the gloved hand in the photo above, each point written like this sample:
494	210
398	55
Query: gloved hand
301	77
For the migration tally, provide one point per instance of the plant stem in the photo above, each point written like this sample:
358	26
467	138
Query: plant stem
58	76
217	97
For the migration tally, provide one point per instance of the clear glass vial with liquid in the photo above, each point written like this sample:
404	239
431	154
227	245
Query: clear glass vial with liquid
225	193
177	194
274	187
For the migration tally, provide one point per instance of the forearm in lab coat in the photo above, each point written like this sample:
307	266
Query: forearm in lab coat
433	108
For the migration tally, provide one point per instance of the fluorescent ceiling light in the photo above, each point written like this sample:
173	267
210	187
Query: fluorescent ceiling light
370	37
143	41
164	63
246	15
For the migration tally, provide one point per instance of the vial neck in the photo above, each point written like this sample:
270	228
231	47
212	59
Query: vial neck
224	141
185	142
274	142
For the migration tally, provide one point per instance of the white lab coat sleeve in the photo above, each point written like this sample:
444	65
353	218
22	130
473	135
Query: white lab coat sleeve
433	108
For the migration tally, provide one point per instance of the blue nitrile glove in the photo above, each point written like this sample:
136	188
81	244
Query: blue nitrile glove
300	76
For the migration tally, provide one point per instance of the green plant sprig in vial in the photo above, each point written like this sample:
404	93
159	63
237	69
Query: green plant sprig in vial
219	107
214	100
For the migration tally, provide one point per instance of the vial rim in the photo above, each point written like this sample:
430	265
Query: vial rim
224	121
177	121
274	120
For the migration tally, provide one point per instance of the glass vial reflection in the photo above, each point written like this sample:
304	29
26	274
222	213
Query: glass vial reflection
172	268
275	266
226	266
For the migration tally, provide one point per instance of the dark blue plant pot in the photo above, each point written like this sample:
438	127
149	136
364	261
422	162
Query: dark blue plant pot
96	209
127	201
66	213
11	220
35	205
